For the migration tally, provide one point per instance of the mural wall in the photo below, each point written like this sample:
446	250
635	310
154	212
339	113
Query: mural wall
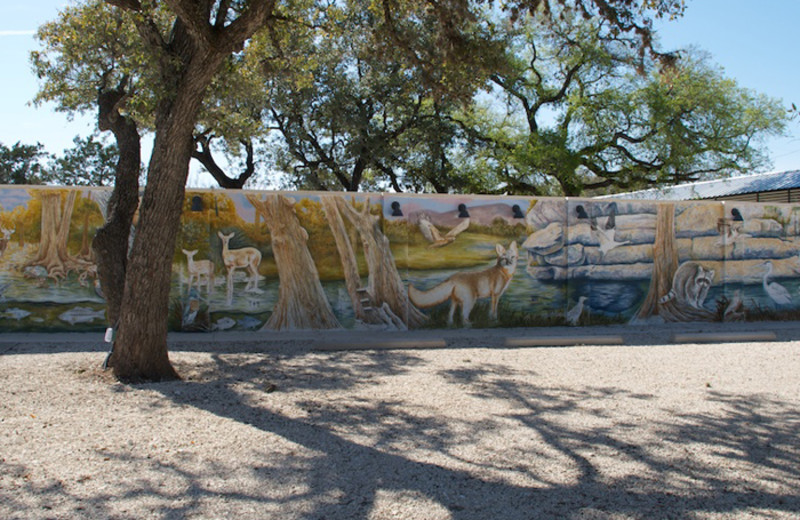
249	260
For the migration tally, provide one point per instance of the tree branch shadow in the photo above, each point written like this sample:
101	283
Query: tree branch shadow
669	481
352	453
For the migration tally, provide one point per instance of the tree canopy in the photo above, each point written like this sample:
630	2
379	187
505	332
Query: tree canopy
347	108
90	162
583	109
538	97
22	163
556	100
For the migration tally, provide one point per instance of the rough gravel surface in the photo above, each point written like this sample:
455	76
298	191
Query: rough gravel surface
642	430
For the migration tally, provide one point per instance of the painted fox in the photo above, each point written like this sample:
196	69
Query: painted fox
465	288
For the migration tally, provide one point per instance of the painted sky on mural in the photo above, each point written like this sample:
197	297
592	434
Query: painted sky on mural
753	41
14	198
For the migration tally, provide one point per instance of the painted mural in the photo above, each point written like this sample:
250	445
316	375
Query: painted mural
48	278
261	261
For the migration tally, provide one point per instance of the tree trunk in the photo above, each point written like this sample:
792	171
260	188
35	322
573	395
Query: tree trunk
665	263
110	243
385	285
301	300
348	257
141	347
20	229
203	35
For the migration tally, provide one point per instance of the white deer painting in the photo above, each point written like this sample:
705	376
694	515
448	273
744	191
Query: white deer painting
199	269
243	258
5	239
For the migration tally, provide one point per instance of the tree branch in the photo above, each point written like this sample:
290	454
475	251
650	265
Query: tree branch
391	174
195	16
257	14
222	14
131	5
530	115
206	158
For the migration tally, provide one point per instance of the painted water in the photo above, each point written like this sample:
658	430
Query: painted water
40	304
30	301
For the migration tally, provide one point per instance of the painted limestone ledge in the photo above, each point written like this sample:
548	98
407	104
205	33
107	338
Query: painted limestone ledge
258	260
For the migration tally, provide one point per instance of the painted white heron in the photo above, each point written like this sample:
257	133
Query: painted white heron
779	294
574	314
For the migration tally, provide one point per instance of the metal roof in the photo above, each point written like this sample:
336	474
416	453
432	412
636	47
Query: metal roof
718	188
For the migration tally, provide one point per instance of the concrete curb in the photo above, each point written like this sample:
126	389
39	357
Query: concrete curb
731	337
559	341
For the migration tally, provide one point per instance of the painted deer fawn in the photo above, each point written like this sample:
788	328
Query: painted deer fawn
5	239
199	268
245	258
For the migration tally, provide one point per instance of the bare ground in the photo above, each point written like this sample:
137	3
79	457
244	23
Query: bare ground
702	431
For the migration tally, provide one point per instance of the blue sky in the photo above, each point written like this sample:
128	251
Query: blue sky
755	42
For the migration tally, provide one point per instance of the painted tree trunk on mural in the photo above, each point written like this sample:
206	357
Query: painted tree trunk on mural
665	263
346	254
385	287
86	253
52	253
301	300
21	233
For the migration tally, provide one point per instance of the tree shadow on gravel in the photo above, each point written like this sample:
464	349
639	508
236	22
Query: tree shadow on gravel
671	483
353	453
749	449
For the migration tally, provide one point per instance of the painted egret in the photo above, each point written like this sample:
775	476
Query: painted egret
778	293
574	314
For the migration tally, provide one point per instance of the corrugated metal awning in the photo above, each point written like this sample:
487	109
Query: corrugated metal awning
744	184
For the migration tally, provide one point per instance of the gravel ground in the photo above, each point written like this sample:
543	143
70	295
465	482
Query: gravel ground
647	431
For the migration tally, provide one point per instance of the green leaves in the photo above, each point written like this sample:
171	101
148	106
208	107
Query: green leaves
21	163
88	47
595	113
543	97
89	163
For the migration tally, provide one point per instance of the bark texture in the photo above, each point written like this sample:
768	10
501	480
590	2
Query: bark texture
110	244
344	246
202	37
665	263
141	347
385	288
301	300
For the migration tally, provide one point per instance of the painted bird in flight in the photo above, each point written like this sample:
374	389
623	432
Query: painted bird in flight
434	236
606	233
